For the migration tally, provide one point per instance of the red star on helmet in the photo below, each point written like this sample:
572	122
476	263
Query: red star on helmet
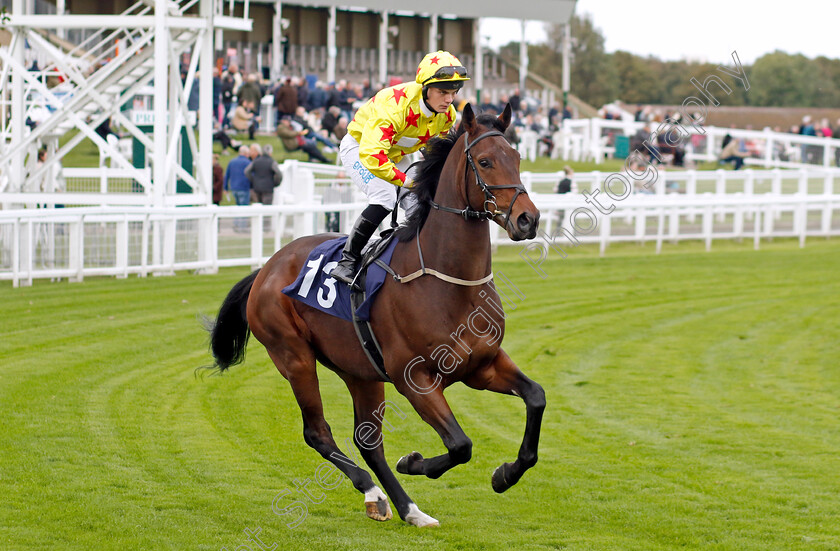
435	60
382	157
426	137
399	175
399	93
412	118
388	132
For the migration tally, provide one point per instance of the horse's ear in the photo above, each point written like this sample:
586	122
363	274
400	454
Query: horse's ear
504	118
468	118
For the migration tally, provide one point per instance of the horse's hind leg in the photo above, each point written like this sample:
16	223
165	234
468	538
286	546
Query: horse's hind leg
369	406
503	376
300	371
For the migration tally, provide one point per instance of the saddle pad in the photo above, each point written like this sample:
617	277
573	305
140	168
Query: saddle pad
316	288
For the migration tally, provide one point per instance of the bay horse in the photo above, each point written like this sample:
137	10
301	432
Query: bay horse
416	323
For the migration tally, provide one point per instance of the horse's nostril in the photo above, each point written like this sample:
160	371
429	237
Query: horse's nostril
525	221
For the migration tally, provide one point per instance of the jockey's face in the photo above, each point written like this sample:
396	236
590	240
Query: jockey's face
440	100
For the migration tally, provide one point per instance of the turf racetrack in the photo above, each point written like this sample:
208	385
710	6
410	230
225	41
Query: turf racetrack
693	402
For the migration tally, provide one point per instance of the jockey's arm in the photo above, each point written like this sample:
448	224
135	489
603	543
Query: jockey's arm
377	141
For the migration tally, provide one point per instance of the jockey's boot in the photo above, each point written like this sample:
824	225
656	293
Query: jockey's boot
360	234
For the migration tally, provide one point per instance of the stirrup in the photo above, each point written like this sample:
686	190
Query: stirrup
344	274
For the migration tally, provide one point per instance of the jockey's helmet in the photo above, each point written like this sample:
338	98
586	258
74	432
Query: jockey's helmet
443	70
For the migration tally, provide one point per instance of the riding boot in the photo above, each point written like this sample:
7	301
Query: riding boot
360	234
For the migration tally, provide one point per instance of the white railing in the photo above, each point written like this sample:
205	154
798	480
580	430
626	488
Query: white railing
582	139
124	236
95	241
91	241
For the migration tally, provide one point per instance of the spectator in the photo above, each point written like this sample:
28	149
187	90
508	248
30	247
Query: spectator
293	140
286	100
244	119
564	186
238	184
218	180
341	97
250	92
825	128
334	123
234	73
222	137
317	98
836	135
302	93
264	174
227	84
807	129
193	99
516	101
254	151
217	95
299	122
105	128
733	152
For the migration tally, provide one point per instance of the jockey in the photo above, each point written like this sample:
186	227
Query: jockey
396	122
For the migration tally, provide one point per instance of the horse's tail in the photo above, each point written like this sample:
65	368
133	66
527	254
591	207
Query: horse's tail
229	332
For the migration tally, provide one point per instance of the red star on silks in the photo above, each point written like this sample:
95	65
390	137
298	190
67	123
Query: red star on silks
382	157
435	60
399	175
426	137
412	118
399	93
388	132
448	116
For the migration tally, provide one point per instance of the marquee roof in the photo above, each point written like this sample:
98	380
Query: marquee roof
550	11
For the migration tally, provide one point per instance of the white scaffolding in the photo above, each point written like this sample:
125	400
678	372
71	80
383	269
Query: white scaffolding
77	87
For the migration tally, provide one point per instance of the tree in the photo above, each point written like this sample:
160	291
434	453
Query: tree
593	75
783	80
637	81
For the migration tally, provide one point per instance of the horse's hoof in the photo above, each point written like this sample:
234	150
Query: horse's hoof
378	510
498	479
406	462
416	517
376	504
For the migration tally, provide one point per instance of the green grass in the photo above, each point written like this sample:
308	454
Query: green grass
692	403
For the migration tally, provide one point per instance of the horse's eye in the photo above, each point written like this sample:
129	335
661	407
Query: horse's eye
484	163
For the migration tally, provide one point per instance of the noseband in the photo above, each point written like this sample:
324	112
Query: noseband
491	209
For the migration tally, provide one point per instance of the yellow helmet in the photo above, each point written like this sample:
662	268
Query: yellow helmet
443	69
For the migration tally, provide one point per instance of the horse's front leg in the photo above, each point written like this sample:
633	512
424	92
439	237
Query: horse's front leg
503	376
434	410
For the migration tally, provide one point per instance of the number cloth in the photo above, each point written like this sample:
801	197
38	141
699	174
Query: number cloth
316	288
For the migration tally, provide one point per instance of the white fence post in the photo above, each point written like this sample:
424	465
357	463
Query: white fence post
122	247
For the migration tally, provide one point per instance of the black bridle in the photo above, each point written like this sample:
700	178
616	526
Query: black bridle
468	212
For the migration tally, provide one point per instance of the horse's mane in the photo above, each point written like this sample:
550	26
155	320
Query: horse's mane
428	174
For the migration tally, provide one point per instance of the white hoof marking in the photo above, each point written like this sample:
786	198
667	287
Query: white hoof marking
375	494
417	517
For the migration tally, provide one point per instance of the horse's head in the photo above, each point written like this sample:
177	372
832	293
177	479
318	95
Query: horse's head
492	173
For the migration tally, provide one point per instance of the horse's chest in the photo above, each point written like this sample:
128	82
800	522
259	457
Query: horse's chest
459	348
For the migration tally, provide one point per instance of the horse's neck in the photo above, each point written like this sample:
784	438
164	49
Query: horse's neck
452	245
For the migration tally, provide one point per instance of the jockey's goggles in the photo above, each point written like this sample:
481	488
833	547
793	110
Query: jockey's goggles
448	73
